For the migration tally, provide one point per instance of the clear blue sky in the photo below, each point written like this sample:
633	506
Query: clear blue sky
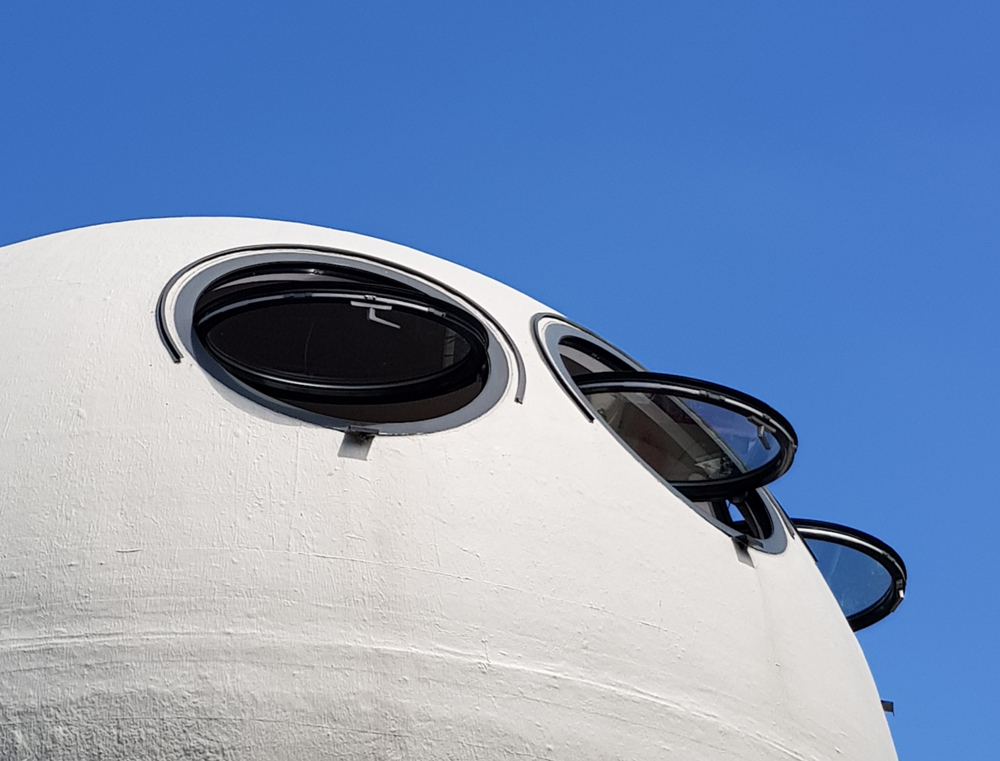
801	200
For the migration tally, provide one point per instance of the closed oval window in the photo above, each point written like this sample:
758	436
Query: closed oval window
352	346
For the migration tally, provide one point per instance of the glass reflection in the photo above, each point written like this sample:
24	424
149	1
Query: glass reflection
857	580
751	444
685	440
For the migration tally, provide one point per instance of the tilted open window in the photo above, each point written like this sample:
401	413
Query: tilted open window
717	447
866	575
714	445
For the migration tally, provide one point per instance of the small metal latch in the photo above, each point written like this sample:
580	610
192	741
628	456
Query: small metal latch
745	540
762	429
361	432
357	442
372	317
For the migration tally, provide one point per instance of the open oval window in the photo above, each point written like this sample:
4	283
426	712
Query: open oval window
866	575
352	346
713	445
708	441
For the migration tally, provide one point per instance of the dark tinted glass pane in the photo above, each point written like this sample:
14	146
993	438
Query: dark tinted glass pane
682	440
335	342
342	343
857	580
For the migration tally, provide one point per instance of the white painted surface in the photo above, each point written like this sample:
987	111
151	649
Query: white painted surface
186	575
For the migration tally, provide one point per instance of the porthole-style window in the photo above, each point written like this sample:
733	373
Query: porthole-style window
343	343
866	575
716	446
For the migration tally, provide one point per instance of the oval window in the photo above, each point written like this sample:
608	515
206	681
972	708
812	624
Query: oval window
708	441
866	575
343	343
713	445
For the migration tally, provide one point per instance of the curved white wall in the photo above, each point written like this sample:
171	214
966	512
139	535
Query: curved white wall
185	574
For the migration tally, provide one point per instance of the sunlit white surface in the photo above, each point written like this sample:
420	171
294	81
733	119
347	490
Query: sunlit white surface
186	574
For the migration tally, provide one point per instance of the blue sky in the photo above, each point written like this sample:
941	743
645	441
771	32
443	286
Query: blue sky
796	199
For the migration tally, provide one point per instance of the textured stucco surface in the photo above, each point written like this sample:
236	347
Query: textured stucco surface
187	575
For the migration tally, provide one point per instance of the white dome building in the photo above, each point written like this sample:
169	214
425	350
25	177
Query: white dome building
276	492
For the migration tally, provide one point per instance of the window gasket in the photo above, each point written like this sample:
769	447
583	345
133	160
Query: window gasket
547	339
